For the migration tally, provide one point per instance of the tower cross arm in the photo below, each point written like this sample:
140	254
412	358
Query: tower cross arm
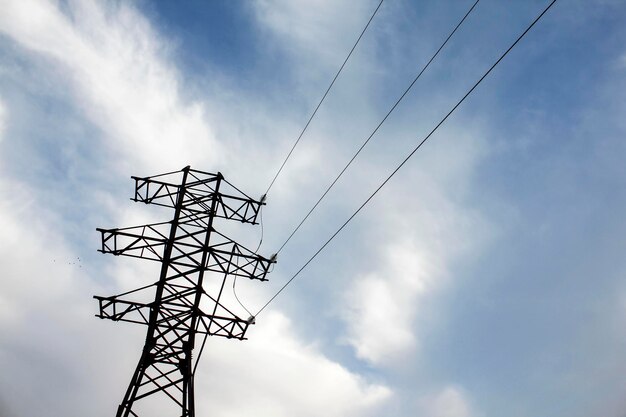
229	257
145	241
200	189
151	191
230	327
116	309
232	203
113	308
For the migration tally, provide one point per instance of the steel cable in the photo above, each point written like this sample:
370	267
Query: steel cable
323	98
419	145
332	184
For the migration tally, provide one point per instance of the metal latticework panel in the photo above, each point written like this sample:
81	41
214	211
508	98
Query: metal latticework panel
189	250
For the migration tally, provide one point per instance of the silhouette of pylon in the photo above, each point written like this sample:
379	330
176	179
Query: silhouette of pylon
191	252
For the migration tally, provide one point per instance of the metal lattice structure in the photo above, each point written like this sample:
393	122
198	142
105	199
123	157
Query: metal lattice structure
191	253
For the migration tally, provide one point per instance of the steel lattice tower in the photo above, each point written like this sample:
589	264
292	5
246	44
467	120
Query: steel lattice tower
191	252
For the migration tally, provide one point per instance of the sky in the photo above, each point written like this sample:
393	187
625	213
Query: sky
486	279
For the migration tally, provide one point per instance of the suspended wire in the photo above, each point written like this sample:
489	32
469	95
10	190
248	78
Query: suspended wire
419	145
332	184
206	335
323	98
256	251
235	277
237	298
261	222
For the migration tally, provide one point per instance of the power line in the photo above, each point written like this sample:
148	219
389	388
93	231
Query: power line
419	145
379	125
323	98
255	251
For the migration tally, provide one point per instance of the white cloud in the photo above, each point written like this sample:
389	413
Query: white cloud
51	344
418	236
118	72
420	222
104	61
3	119
426	228
46	315
281	377
381	306
318	31
116	65
451	401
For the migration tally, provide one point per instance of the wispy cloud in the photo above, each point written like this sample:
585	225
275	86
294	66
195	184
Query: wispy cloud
451	401
117	68
275	358
3	119
421	235
92	92
120	80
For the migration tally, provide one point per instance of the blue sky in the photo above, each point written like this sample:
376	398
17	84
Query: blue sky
486	279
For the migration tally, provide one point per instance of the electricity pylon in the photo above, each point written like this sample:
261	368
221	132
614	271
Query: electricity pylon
191	253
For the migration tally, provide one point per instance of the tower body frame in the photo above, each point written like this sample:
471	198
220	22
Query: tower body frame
190	251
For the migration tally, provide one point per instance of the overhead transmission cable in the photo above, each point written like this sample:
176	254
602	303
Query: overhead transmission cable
406	91
419	145
302	133
323	98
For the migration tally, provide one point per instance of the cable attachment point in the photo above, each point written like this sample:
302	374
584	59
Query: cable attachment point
251	320
273	258
263	198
